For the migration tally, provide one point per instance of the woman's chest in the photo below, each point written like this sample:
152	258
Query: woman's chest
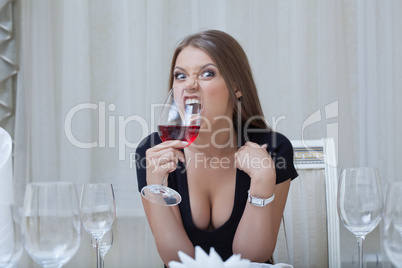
211	196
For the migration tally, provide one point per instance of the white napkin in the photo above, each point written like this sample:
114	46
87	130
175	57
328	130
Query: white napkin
213	260
6	234
6	171
6	196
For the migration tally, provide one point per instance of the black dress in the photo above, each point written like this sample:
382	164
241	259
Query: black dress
280	149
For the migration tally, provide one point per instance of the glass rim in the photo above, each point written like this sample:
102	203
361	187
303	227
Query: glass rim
96	184
50	183
373	170
359	168
395	183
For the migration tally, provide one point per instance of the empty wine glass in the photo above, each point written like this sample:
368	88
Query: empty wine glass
105	244
51	222
180	120
10	235
360	202
392	231
98	212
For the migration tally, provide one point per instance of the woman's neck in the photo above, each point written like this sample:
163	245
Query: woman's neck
218	142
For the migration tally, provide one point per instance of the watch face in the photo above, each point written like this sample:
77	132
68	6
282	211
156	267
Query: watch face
259	202
256	201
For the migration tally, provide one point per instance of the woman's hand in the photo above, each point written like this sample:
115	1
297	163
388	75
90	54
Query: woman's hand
162	159
254	160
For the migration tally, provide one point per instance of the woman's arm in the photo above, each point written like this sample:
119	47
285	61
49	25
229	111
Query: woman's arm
168	231
256	235
257	232
165	221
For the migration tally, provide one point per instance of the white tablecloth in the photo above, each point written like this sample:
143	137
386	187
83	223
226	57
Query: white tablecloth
263	265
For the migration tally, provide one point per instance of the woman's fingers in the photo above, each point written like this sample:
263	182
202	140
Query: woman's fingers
163	159
253	158
173	144
168	146
255	145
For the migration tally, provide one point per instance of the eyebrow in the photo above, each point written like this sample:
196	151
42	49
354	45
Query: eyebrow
201	68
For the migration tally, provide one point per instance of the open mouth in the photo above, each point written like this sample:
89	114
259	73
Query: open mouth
193	105
193	101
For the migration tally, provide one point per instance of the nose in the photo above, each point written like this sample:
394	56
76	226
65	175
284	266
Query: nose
191	84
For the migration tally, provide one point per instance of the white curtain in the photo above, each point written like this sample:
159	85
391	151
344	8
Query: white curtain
90	71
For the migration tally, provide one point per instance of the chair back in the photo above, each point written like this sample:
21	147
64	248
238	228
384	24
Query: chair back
309	233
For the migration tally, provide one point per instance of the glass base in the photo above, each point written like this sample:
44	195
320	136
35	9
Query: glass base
161	195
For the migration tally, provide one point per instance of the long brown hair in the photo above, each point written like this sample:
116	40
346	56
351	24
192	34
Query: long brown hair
233	64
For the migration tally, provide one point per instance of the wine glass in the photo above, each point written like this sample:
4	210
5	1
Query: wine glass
178	120
10	235
392	231
360	202
51	222
105	244
98	212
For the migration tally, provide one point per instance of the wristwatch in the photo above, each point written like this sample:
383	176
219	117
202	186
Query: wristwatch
259	202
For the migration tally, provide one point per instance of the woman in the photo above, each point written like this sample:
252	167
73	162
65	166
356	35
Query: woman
234	179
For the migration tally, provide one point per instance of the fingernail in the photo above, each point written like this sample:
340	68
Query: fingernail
184	143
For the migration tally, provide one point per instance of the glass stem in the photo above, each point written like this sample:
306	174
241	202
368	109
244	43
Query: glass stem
360	240
99	263
164	180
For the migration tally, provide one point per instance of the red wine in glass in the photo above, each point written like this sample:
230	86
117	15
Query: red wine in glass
183	133
179	120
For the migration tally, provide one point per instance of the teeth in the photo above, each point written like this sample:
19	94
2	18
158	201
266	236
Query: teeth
192	101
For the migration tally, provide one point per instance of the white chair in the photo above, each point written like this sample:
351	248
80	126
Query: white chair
309	233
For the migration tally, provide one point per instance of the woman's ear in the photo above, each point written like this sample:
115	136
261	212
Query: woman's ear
236	90
238	93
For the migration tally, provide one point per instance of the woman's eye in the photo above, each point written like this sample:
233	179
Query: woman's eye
207	74
180	76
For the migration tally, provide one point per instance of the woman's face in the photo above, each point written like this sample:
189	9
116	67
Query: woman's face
197	78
